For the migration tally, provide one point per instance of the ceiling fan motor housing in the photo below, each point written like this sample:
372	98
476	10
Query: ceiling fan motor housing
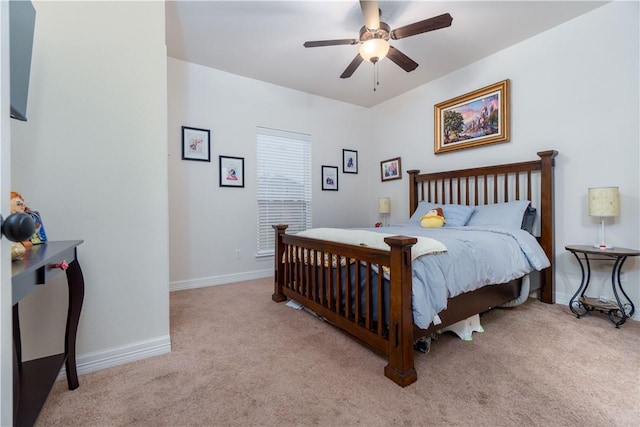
380	33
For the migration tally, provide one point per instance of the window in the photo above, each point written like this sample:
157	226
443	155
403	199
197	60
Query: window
284	184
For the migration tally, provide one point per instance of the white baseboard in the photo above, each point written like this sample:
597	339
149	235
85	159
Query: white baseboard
119	356
219	280
562	298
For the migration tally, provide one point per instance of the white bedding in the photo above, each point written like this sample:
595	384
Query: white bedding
425	245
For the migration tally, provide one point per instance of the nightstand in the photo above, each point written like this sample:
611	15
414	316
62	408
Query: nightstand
580	304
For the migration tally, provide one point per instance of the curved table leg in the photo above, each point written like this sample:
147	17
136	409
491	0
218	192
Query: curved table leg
574	304
76	296
615	277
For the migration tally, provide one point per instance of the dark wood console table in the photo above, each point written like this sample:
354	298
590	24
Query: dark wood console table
33	380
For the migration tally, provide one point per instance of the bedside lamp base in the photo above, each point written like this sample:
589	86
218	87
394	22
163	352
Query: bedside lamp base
602	246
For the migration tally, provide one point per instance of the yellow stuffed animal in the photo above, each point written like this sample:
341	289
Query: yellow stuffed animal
433	219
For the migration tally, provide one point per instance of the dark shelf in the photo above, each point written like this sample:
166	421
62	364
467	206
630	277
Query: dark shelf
598	304
36	380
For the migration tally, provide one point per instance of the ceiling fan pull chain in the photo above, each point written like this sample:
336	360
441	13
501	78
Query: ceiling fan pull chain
375	67
376	75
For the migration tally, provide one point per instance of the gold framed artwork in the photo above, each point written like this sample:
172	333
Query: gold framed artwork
474	119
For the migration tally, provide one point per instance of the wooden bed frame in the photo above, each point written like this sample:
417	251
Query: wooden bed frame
323	290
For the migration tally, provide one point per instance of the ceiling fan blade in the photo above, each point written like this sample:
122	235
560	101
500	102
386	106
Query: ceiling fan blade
371	14
320	43
402	60
352	67
435	23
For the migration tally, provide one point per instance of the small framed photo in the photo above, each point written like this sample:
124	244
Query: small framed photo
390	169
231	171
349	161
196	144
330	178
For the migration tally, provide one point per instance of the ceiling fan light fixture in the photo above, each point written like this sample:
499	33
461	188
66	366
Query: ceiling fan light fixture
373	50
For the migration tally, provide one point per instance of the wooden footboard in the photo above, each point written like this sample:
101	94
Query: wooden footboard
337	282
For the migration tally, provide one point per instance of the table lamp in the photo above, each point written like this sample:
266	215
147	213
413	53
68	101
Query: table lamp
384	207
604	202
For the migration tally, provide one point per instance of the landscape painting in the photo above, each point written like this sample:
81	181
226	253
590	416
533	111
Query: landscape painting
474	119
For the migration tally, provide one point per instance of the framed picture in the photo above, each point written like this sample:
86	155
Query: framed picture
330	178
349	161
390	169
477	118
196	144
231	171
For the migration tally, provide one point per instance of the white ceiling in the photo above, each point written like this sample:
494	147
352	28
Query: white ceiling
263	40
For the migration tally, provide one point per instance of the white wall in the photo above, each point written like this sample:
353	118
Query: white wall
574	89
93	160
207	222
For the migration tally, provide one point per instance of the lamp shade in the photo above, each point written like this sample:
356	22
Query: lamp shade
374	48
604	201
384	205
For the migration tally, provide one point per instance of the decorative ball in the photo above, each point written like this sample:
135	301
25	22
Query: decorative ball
17	250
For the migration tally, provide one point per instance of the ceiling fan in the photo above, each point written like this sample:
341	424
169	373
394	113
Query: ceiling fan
375	35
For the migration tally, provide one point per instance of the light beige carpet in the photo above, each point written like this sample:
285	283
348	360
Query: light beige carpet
240	359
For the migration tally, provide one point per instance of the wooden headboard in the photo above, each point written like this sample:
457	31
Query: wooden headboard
531	180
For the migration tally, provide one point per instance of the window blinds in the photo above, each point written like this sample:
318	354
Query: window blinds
284	184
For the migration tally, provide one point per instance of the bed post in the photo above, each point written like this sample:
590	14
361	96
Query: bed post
400	368
413	191
547	238
277	295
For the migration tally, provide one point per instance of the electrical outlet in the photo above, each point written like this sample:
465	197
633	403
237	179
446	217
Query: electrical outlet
238	254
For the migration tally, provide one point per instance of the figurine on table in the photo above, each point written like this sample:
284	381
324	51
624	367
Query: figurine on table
39	236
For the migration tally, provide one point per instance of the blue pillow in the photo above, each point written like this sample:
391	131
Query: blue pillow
508	214
455	215
422	209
